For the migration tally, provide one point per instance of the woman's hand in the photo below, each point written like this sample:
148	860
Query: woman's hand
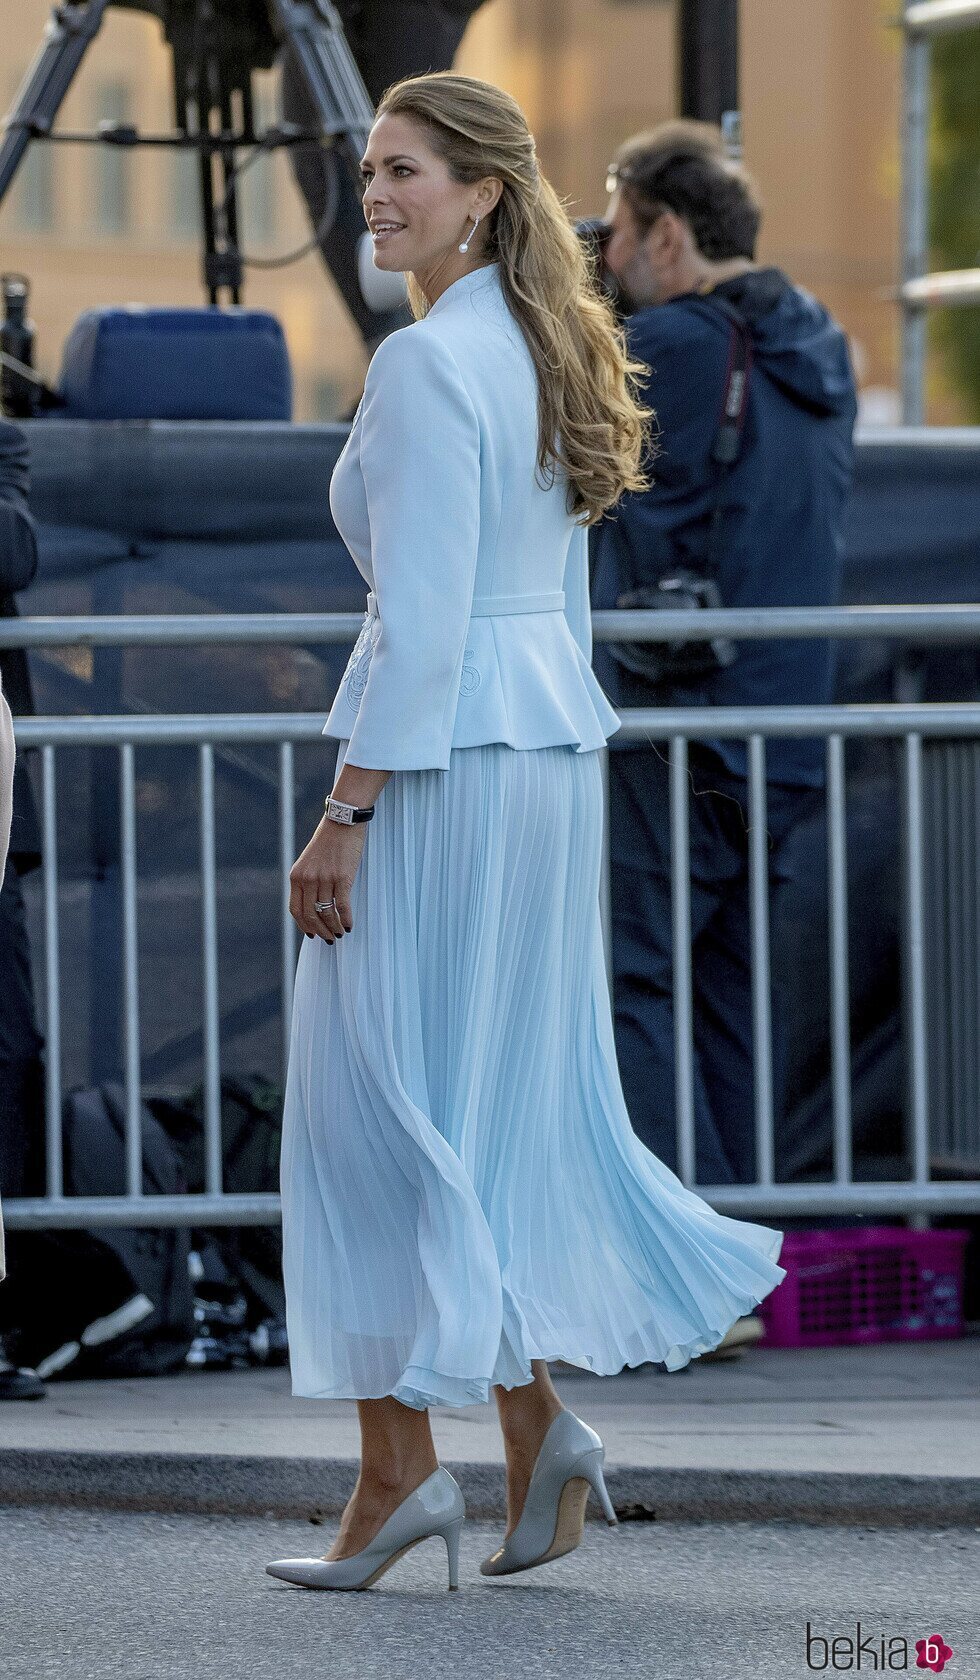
326	869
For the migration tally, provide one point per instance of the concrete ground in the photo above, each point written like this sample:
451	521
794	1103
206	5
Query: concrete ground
887	1433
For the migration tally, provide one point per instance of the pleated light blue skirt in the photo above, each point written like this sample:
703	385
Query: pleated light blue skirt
462	1191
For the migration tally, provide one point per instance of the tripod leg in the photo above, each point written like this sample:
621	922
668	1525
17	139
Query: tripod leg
314	30
69	33
318	61
323	90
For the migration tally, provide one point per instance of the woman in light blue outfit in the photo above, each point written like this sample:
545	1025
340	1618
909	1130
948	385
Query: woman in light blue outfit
464	1197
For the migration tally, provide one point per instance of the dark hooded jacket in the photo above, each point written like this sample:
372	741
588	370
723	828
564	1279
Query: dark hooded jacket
780	541
18	564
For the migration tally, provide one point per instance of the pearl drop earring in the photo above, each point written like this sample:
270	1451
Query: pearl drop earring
469	236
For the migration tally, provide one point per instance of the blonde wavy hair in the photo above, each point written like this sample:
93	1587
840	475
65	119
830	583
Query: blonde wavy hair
587	396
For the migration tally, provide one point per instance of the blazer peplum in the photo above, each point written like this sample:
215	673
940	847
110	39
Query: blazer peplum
478	624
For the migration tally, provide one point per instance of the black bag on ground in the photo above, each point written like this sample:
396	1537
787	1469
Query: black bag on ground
251	1132
113	1300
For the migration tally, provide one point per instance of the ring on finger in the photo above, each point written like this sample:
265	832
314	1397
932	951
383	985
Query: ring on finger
323	913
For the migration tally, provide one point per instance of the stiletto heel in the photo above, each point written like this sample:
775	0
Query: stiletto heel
592	1464
435	1507
568	1464
451	1536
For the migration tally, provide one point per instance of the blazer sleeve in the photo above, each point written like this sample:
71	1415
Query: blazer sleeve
420	462
578	603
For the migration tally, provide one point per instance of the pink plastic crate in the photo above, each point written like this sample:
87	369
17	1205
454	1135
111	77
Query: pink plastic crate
866	1283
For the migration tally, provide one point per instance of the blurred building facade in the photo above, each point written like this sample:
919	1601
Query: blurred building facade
820	103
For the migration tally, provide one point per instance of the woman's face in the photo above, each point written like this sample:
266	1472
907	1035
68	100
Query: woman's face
405	182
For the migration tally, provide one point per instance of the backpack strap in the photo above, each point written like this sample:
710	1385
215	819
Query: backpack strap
728	438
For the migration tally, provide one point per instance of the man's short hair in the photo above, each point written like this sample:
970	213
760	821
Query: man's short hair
682	165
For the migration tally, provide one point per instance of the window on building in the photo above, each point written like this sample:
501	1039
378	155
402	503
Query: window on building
257	186
113	164
184	194
324	398
34	201
31	201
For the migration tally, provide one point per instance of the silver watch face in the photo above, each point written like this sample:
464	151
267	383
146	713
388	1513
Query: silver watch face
340	812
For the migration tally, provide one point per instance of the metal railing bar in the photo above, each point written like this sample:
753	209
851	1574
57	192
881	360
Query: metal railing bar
54	1137
911	722
287	857
914	215
683	1001
605	880
949	872
180	629
913	966
263	1208
887	720
840	1004
131	1077
940	17
951	288
209	936
970	1089
760	962
947	621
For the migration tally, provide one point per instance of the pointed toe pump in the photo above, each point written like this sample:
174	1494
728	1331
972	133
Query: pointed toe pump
435	1507
551	1523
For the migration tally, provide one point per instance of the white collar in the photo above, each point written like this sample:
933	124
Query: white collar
468	282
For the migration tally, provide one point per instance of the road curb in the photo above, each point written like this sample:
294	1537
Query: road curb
317	1489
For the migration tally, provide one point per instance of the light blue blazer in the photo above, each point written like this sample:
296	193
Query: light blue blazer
478	623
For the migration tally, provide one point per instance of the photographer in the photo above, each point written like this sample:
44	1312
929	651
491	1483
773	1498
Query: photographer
21	1074
762	527
8	751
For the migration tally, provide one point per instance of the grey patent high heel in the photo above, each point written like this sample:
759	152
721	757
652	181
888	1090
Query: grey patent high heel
551	1523
435	1507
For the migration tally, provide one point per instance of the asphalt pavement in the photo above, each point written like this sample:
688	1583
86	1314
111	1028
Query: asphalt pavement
124	1595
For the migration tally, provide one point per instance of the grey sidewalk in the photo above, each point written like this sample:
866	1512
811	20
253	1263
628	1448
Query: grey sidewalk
887	1433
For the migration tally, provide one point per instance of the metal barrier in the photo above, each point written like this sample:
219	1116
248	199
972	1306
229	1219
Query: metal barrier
912	724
